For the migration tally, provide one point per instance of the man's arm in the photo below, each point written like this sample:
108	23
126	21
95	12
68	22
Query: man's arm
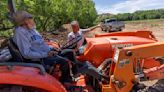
24	47
89	29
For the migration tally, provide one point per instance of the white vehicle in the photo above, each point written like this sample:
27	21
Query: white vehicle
112	25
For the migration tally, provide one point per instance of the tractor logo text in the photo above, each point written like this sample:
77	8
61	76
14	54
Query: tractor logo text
121	45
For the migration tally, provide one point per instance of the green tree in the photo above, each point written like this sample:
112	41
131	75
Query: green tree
138	15
51	14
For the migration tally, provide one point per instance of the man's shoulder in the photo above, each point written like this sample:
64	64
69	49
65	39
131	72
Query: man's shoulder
20	30
81	31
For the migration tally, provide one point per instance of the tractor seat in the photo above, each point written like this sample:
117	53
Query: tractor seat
17	56
15	51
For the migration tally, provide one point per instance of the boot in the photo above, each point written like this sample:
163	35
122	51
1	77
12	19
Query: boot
89	69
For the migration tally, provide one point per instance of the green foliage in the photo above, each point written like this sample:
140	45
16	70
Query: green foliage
138	15
51	14
4	22
6	33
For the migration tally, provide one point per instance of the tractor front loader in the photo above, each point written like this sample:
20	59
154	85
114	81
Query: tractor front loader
129	70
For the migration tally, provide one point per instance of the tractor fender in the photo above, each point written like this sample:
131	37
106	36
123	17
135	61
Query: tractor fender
28	76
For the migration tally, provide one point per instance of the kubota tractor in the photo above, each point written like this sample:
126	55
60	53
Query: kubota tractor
128	66
107	52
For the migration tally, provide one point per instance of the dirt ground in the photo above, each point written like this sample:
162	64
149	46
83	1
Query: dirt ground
156	26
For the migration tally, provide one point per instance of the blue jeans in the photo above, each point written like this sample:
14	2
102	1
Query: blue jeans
62	59
55	60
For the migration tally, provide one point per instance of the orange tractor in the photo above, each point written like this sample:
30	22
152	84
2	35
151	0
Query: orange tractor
124	58
125	68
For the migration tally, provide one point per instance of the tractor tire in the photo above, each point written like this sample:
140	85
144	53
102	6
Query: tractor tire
104	30
119	29
16	88
161	60
9	88
157	87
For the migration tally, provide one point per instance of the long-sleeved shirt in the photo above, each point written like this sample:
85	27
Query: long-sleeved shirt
30	43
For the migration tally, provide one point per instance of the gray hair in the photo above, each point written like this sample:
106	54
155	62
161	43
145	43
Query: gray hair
74	23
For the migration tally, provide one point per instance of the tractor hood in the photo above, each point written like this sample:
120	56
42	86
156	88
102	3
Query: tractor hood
119	41
102	47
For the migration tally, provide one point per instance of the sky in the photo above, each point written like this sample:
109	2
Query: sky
126	6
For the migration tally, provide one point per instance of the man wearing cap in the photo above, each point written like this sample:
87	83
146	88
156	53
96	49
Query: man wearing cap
32	46
77	32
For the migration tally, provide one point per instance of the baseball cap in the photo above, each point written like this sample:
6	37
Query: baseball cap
20	16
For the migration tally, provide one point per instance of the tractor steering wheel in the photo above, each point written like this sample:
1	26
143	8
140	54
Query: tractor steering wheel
71	44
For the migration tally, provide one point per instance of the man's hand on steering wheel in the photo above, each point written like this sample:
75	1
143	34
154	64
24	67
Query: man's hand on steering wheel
56	49
52	53
71	44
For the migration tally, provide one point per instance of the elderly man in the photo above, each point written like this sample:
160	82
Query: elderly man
77	32
32	46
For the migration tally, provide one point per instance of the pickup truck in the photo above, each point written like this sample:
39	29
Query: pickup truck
112	25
